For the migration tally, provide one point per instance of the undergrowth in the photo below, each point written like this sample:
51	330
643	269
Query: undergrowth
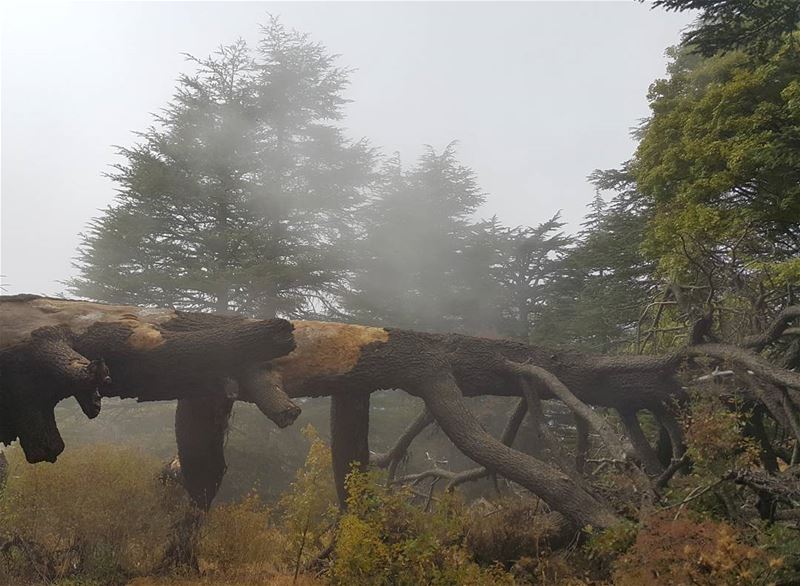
102	516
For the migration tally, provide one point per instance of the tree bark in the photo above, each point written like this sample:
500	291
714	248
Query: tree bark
159	354
644	451
557	489
201	425
349	438
51	349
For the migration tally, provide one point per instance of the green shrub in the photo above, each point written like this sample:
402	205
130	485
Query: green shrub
308	510
383	539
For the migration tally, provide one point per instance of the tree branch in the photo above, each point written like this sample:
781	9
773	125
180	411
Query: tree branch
778	327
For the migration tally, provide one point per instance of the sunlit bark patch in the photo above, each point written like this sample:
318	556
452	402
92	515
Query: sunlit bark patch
326	348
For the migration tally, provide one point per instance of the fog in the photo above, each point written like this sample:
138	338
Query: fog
536	94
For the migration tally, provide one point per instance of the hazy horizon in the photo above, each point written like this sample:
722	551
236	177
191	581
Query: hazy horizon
536	94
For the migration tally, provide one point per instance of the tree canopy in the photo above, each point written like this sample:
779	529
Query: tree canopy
241	195
724	25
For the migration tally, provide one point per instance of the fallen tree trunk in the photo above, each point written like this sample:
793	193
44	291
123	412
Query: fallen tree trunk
348	362
51	349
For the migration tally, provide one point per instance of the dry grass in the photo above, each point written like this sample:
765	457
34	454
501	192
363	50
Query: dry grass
281	580
100	516
99	512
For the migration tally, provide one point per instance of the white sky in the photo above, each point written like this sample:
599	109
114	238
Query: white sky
537	94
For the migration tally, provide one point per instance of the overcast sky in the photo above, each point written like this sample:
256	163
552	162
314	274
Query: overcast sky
537	94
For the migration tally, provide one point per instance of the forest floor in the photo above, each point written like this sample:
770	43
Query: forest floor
284	580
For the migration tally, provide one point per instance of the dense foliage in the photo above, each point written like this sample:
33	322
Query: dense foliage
723	25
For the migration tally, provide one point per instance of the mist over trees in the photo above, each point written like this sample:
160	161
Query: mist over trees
241	196
248	194
412	271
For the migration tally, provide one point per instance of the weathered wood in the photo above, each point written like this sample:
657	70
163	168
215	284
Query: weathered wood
51	349
161	354
201	424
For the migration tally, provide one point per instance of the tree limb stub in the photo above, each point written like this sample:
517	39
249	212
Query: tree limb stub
264	388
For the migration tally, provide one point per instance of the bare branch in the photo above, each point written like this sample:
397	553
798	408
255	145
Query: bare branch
778	328
760	367
644	450
597	423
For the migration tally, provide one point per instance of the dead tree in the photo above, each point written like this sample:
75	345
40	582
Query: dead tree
51	349
348	362
162	354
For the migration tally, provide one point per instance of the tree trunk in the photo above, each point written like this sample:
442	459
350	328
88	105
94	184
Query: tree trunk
201	425
51	349
349	438
158	354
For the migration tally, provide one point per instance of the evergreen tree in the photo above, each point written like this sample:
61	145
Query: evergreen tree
727	25
606	279
243	193
720	162
520	266
411	253
705	218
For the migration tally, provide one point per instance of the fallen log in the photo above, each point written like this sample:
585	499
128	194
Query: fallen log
348	362
157	354
51	349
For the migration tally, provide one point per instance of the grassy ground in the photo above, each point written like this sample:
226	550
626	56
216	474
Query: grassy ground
285	580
